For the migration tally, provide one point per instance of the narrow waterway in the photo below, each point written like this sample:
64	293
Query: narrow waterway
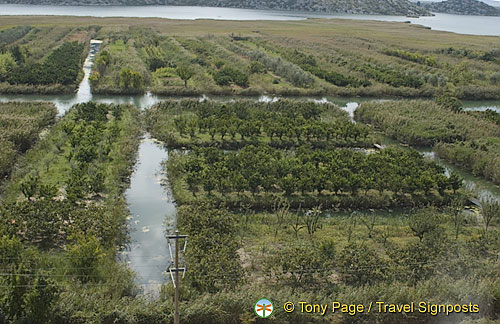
152	212
481	188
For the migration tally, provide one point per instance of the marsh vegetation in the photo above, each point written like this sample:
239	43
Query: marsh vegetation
282	199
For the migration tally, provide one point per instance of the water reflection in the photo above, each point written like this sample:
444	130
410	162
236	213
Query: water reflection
472	25
152	211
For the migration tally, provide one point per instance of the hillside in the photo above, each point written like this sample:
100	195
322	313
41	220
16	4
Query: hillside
386	7
86	2
383	7
463	7
492	3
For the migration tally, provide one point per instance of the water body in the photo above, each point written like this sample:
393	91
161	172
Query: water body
482	188
473	25
482	106
152	214
153	211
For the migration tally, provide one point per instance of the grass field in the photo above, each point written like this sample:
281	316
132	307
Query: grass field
311	57
278	199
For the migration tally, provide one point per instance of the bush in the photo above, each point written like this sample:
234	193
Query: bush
229	75
411	56
481	157
424	123
214	263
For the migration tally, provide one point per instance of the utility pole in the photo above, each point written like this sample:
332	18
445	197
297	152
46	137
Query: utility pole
176	269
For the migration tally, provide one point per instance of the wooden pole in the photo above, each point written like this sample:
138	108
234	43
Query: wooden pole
177	283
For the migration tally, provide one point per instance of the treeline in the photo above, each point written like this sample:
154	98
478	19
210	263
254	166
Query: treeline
64	218
61	67
293	73
308	63
305	172
223	71
20	127
390	76
424	123
491	55
11	35
283	123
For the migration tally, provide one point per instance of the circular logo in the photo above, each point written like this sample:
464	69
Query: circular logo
264	308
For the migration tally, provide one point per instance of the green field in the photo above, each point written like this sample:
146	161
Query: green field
231	125
21	126
313	57
288	200
470	140
300	225
42	60
64	217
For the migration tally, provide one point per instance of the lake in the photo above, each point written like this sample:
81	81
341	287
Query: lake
473	25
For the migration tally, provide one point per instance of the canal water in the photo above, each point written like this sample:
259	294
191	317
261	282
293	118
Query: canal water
481	188
153	211
473	25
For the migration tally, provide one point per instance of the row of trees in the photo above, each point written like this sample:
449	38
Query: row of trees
293	73
284	120
308	63
254	123
11	35
223	71
390	76
61	67
412	56
255	169
20	126
273	126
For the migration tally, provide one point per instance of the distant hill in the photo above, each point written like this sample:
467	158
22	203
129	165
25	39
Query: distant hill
381	7
463	7
492	3
87	2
